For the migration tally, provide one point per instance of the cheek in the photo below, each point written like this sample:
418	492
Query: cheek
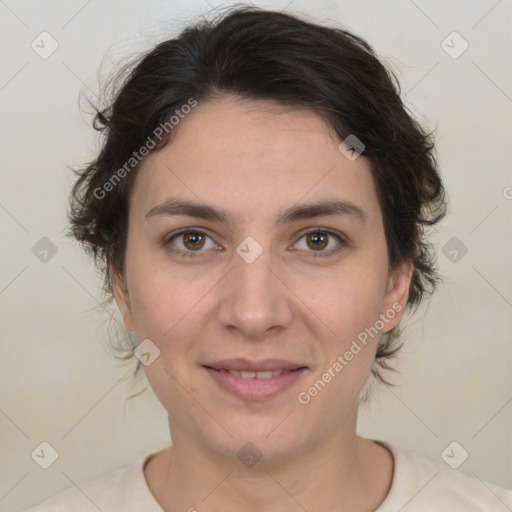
350	299
159	302
349	306
167	310
169	303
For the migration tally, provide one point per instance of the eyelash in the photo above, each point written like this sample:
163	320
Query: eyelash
322	254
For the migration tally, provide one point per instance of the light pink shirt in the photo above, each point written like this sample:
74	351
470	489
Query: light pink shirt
419	485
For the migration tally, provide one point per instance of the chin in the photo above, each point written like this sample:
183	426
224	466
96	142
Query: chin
263	441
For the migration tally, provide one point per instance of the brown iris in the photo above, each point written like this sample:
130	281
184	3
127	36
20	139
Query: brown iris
195	239
319	240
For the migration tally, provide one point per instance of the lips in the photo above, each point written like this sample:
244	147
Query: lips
255	380
244	365
256	375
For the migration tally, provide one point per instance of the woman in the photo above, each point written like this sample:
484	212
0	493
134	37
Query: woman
258	208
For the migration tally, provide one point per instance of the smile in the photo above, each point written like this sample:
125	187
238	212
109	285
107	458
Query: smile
256	384
256	375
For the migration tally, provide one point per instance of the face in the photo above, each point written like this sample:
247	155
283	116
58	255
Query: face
249	280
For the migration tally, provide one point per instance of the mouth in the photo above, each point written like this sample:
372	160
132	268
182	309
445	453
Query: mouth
255	375
250	380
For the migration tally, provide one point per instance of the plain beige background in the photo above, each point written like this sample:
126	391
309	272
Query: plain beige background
58	382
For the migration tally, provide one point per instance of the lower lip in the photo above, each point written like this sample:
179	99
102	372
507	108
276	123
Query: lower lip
255	389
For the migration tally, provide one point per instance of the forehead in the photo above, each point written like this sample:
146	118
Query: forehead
252	156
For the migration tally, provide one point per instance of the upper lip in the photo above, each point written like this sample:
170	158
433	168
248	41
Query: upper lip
244	365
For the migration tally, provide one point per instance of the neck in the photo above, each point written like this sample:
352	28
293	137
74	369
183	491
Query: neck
344	472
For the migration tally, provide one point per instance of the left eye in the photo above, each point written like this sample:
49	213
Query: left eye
318	240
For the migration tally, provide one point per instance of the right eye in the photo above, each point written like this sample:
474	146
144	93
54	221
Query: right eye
191	240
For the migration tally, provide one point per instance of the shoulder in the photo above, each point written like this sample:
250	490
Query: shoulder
122	490
422	485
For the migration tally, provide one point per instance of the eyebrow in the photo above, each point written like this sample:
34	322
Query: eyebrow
330	207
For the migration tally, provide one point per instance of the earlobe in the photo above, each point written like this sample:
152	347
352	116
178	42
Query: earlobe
400	282
398	291
122	298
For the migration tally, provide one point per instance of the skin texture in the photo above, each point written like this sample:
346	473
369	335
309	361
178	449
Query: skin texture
255	159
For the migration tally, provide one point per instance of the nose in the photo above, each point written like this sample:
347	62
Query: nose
254	298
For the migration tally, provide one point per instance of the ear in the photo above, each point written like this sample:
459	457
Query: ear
397	294
122	298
